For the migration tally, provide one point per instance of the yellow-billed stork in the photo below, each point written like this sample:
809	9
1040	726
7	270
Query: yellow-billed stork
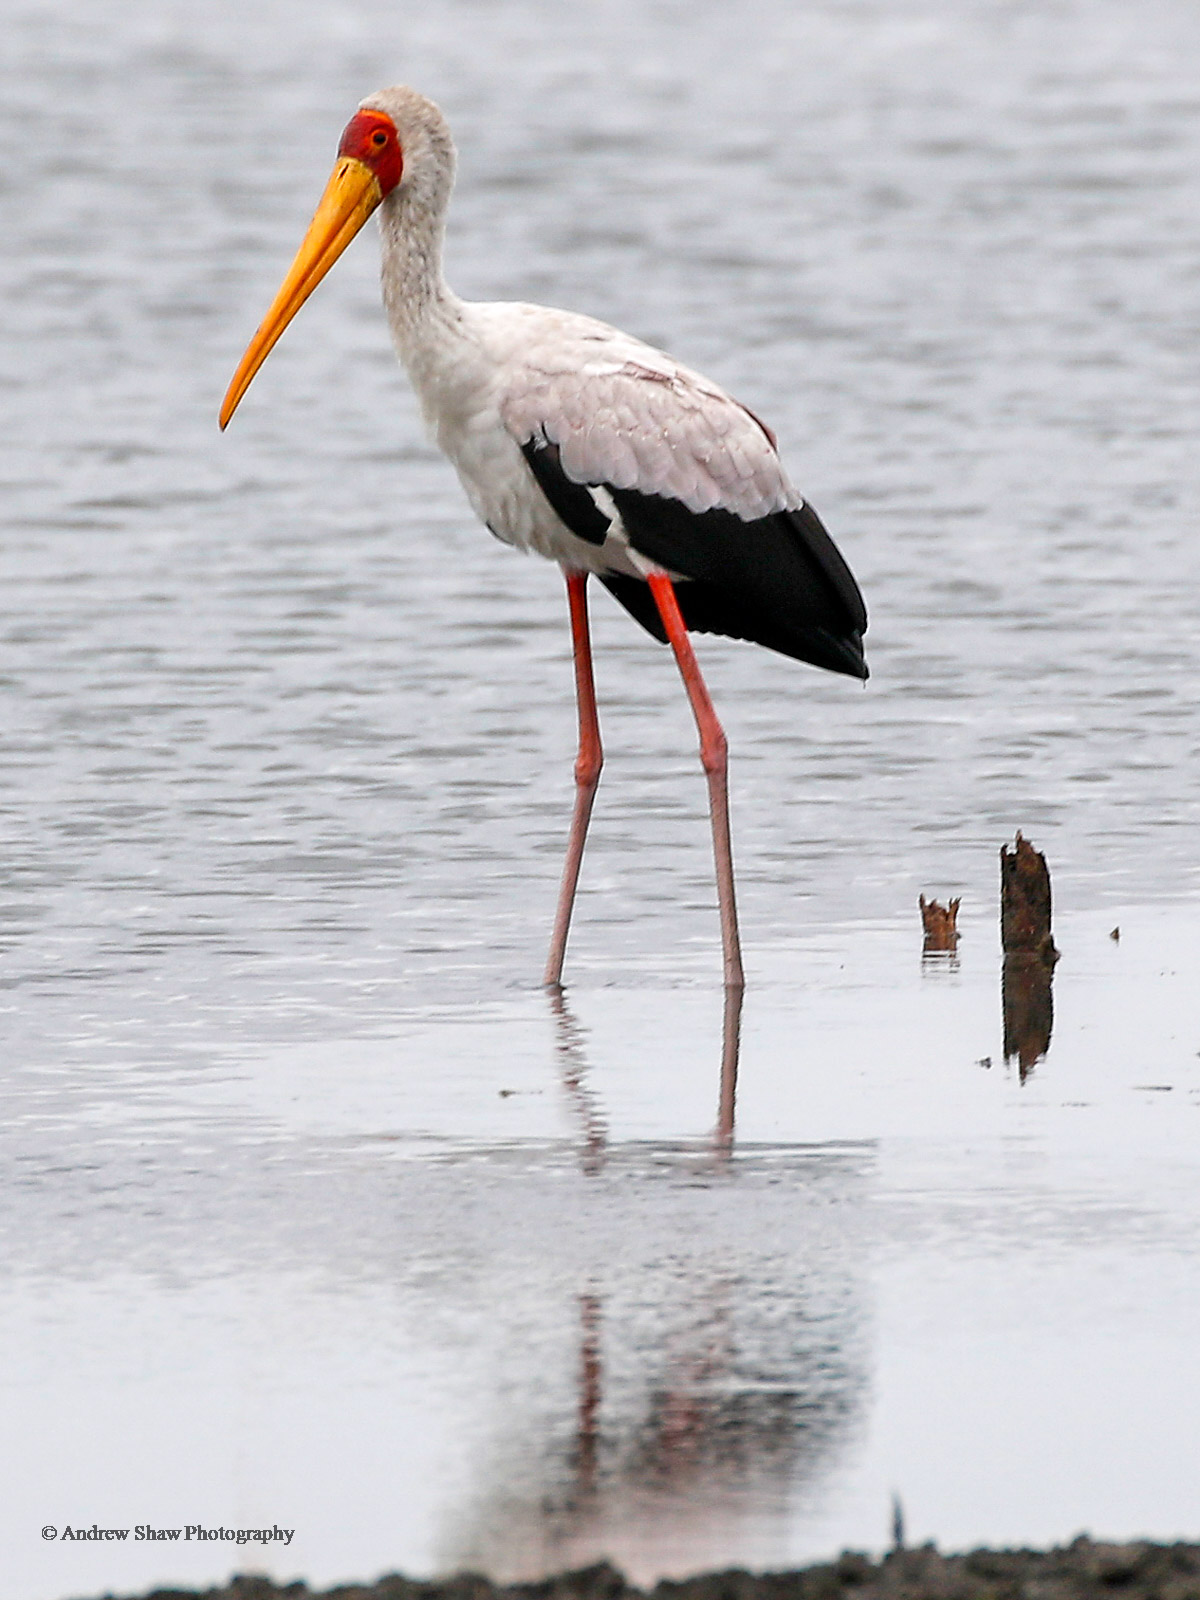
593	449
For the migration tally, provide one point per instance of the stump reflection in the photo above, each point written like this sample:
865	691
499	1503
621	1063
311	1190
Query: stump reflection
1027	994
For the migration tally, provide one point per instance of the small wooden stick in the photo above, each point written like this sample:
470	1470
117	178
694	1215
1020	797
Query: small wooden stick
941	925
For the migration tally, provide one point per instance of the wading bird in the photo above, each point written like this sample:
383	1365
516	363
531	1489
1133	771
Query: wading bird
593	449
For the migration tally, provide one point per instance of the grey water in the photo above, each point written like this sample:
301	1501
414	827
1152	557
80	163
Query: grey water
315	1210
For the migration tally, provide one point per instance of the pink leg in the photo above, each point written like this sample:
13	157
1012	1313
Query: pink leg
730	1042
587	770
714	756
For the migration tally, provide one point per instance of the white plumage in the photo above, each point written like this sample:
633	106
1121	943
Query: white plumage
622	414
587	446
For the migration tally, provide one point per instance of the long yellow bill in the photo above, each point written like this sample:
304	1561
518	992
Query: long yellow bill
351	195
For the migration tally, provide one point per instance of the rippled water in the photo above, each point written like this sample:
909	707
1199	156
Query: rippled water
286	768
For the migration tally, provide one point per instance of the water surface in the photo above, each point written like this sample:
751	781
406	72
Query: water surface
316	1212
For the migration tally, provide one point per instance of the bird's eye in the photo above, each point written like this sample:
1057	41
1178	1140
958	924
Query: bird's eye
379	138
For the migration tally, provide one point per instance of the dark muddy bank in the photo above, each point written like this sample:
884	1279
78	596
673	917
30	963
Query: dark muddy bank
1084	1568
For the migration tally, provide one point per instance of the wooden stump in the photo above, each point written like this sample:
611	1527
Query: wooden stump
1025	902
941	926
1029	954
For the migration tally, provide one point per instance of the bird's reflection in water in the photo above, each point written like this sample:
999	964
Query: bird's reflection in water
585	1109
572	1065
717	1363
590	1389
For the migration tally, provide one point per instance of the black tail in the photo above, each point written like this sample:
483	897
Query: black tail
779	581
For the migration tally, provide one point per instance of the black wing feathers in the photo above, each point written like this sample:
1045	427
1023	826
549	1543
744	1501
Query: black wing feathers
779	581
571	501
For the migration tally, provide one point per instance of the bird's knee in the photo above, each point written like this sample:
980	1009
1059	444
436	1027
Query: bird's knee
587	769
714	753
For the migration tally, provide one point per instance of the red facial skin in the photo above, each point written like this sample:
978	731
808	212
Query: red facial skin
370	137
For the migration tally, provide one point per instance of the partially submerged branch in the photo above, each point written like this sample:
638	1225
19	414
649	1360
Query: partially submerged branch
941	925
